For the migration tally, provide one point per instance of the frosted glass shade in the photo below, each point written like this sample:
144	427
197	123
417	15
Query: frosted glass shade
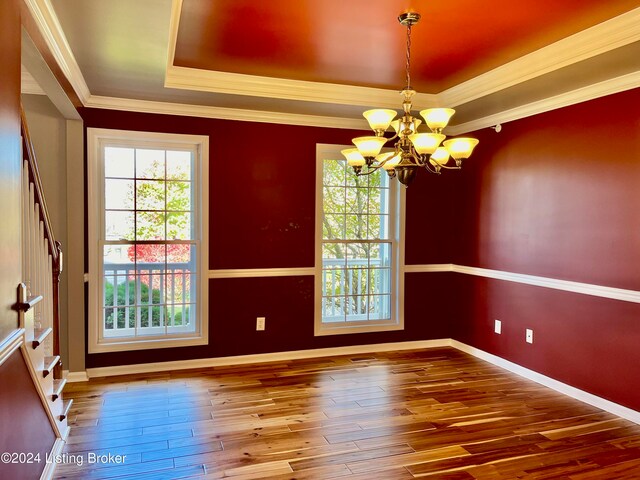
354	159
437	118
392	162
379	119
426	142
461	147
440	156
412	126
369	146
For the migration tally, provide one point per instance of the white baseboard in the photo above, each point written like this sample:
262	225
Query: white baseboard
563	388
73	377
50	467
262	358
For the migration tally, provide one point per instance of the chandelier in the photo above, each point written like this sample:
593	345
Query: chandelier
412	149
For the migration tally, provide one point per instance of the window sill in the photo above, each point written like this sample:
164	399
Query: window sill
323	330
123	344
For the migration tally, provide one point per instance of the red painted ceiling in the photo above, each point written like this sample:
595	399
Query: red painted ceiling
360	42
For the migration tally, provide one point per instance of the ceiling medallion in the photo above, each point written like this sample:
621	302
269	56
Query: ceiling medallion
412	149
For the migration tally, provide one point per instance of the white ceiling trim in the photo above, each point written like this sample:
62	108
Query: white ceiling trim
614	33
590	92
298	90
223	113
47	22
604	37
269	87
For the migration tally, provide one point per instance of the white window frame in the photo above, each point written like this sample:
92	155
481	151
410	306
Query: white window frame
397	224
96	138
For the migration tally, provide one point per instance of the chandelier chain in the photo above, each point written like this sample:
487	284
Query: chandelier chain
408	66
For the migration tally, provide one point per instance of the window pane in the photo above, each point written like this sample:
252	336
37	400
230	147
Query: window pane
178	165
331	251
379	280
118	194
181	315
356	281
333	281
179	196
118	225
179	226
378	227
181	256
150	195
181	287
149	163
150	257
334	199
333	309
379	307
118	162
333	227
150	225
357	200
334	172
356	227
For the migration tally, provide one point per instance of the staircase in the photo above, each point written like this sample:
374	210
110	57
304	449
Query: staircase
38	295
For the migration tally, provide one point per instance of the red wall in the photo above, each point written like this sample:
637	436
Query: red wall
557	195
262	215
24	425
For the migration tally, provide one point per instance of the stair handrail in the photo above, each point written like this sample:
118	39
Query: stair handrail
55	248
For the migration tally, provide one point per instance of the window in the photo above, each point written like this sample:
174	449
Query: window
147	240
358	248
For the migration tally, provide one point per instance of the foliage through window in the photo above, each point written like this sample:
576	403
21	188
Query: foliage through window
150	242
358	241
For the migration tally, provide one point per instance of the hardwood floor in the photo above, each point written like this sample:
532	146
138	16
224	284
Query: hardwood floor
437	414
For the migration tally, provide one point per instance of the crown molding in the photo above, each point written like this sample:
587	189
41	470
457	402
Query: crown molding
590	92
298	90
223	113
604	37
47	22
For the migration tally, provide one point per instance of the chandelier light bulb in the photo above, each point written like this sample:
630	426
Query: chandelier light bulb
394	160
460	148
369	146
354	159
426	142
437	118
440	156
379	119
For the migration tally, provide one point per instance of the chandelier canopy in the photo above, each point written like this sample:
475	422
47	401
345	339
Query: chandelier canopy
412	149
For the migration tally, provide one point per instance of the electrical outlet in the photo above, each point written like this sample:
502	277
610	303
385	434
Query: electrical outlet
529	336
260	323
497	327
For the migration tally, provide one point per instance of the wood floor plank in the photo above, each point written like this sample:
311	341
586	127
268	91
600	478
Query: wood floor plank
435	414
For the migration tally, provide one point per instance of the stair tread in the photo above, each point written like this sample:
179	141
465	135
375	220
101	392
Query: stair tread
39	335
66	406
49	363
58	386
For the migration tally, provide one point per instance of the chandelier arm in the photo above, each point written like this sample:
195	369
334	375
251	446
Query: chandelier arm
450	168
369	171
430	169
